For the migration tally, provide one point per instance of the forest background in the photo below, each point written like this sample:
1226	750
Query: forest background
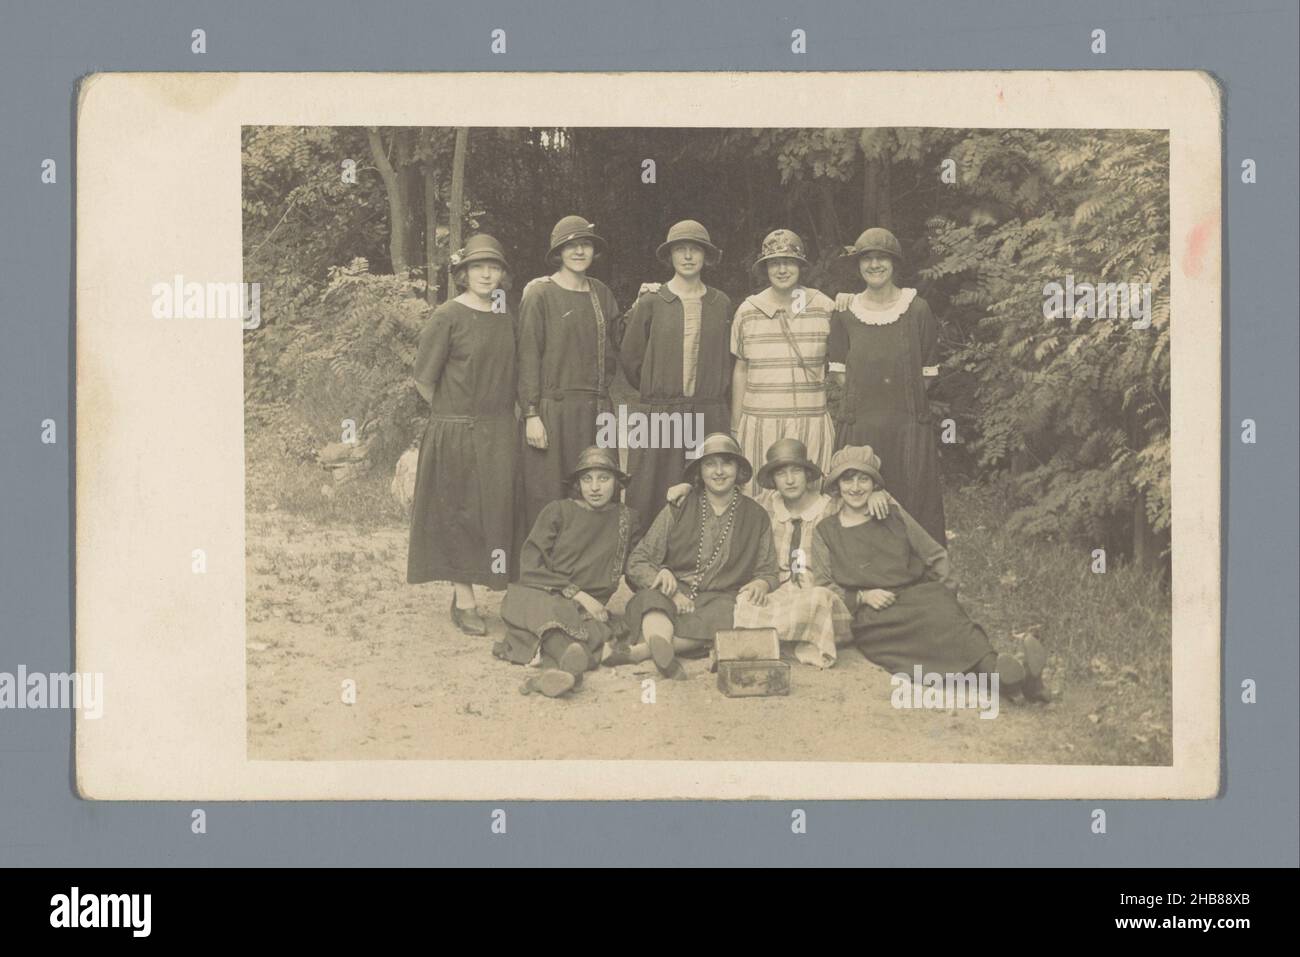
1061	426
349	229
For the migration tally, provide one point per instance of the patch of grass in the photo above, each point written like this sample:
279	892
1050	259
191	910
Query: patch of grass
1114	628
278	479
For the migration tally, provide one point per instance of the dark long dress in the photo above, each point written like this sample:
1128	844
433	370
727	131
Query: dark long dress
572	548
925	625
652	361
461	516
568	355
885	404
676	541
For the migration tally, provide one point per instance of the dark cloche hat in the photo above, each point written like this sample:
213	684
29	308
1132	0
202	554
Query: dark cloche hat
477	249
594	457
688	231
569	229
878	240
785	452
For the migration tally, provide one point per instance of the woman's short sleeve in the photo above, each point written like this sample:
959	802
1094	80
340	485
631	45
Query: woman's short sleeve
837	347
738	334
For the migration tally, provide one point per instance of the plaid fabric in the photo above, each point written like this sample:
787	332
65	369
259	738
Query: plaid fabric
812	618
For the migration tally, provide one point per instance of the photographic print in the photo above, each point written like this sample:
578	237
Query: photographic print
631	436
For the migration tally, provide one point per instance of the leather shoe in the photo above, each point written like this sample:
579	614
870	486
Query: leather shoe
467	620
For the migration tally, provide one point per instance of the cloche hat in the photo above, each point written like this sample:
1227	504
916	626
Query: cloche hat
477	249
719	443
781	244
785	452
852	458
876	239
569	229
594	457
688	230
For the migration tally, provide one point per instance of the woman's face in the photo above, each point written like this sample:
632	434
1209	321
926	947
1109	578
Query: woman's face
791	481
877	269
482	277
719	473
855	486
688	259
597	486
783	274
577	256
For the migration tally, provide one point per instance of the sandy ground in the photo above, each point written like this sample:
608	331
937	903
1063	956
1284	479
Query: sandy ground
326	605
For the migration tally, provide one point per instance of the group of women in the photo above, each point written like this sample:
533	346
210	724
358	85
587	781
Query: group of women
838	538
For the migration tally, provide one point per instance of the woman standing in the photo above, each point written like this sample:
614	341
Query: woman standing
881	348
461	529
568	354
570	567
779	339
675	355
896	583
698	560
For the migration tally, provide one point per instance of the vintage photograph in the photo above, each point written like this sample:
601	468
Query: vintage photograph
625	436
840	444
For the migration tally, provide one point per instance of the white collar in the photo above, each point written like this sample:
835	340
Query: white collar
810	514
882	317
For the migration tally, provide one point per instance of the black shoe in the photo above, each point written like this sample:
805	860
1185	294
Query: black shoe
467	620
661	651
1035	661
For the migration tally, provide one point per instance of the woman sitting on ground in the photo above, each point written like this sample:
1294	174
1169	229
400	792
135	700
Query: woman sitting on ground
698	560
896	582
570	567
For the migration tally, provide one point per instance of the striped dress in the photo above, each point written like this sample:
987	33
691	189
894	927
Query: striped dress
785	384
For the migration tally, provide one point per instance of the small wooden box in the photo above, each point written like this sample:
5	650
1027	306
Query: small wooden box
749	663
753	679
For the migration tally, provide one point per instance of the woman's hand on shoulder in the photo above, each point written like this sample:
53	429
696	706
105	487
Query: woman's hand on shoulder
648	287
843	301
677	493
878	504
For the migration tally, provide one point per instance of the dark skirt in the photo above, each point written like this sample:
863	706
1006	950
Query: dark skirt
924	626
530	612
461	515
714	611
570	421
654	471
909	457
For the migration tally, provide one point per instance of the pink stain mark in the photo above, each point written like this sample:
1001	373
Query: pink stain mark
1001	98
1197	240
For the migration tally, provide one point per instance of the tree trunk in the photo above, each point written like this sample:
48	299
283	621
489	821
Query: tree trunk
401	183
457	201
877	208
431	234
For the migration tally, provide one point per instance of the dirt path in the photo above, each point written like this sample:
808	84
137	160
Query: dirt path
327	605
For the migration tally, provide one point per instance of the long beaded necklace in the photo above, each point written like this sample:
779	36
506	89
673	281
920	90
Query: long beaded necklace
700	563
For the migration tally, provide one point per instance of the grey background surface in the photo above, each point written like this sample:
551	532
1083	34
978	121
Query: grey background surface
1250	46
